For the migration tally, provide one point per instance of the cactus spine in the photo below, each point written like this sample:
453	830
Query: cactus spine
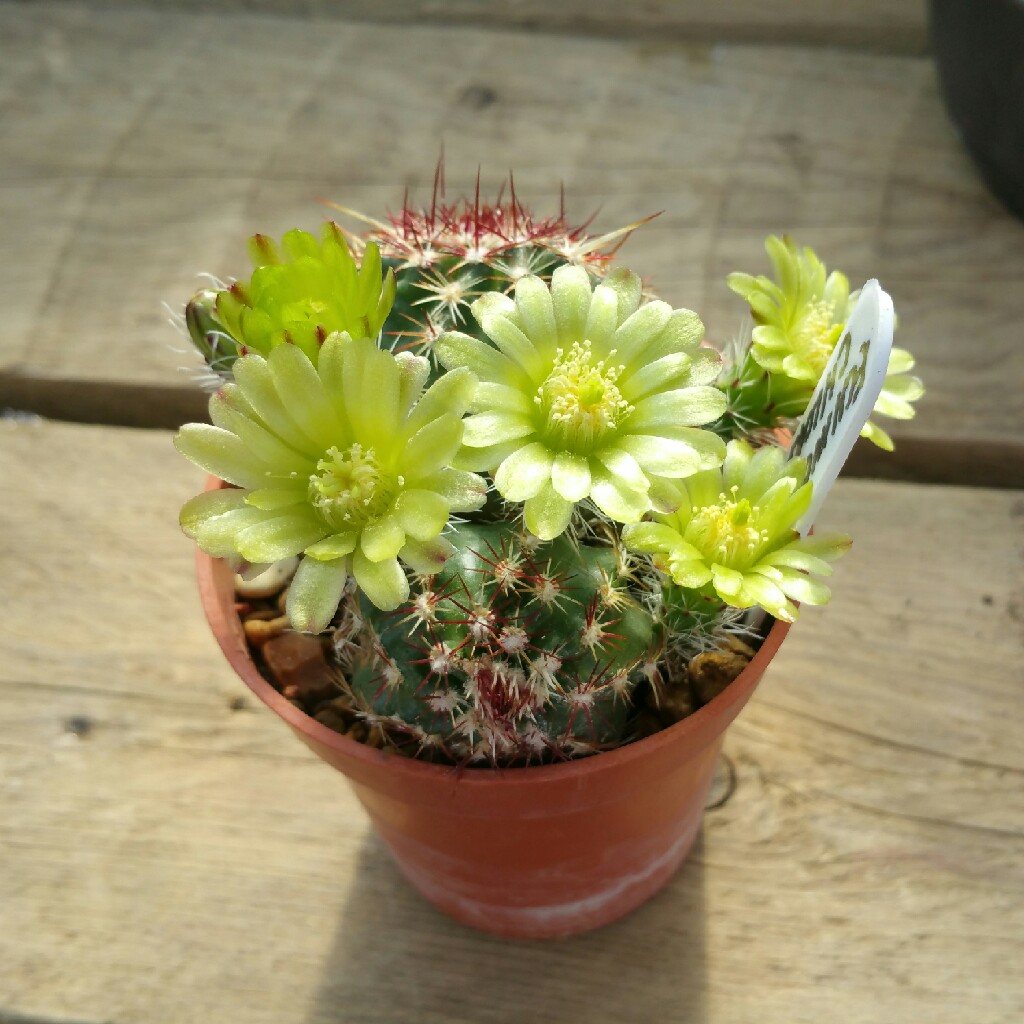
514	654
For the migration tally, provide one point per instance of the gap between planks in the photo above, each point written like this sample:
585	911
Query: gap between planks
892	27
997	462
13	1017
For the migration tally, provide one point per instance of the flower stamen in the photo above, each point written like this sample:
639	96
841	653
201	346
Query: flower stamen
579	400
348	488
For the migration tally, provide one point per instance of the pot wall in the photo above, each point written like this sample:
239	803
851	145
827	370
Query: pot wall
526	852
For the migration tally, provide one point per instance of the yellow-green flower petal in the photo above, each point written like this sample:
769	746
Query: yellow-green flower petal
217	535
280	537
804	589
336	546
501	398
727	581
570	294
450	394
524	472
426	557
602	318
547	514
877	436
301	391
487	428
682	333
257	387
422	514
649	537
616	500
314	593
261	442
513	343
624	467
685	407
432	447
304	290
208	505
414	372
570	476
489	458
629	291
221	453
273	499
464	492
384	583
676	456
382	539
656	376
536	311
456	350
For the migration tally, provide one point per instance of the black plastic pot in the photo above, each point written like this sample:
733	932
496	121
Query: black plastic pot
979	50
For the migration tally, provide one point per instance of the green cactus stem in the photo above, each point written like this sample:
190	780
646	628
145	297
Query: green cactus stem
513	654
448	254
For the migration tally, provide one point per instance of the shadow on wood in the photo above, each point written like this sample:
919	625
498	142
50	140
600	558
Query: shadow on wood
651	965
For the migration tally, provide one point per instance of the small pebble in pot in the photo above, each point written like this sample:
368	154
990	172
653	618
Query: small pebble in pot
259	631
297	663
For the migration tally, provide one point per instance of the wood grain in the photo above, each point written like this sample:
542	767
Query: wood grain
142	149
168	848
887	26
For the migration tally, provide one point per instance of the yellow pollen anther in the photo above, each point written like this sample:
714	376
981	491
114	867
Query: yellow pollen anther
579	400
815	335
729	530
348	488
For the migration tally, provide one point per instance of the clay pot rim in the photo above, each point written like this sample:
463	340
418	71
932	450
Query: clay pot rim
227	631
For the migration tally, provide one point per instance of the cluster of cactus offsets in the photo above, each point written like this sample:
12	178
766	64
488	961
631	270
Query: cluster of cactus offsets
513	653
524	493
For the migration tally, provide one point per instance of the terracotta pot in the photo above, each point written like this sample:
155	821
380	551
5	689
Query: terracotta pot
525	852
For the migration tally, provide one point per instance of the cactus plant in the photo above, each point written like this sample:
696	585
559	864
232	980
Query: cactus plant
513	653
505	466
449	254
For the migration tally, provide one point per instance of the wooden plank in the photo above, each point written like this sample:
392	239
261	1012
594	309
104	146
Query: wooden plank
168	847
142	150
138	150
884	26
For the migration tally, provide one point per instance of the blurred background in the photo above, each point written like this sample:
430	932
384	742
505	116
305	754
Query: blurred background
144	142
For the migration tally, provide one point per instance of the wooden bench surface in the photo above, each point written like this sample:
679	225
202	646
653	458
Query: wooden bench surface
168	853
168	847
141	148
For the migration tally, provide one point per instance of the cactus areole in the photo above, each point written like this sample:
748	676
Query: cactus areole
534	522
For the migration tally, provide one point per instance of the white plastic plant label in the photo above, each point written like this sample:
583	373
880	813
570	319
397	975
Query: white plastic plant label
845	395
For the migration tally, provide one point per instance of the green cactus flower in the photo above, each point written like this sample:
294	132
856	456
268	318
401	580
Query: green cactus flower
733	532
800	318
304	290
346	462
586	393
898	391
